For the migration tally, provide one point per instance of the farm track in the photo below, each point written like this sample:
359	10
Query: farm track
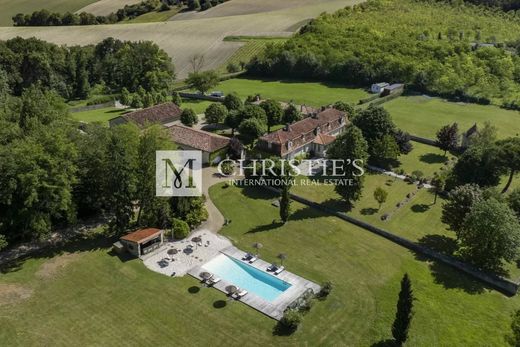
181	39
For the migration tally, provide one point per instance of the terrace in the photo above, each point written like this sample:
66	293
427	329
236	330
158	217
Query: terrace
275	308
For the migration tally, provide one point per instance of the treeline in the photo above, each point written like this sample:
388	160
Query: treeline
72	71
506	5
54	173
444	56
47	18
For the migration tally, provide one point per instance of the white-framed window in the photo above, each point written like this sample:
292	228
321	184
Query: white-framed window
289	144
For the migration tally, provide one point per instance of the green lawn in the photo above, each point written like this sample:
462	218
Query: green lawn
9	8
199	106
423	116
428	159
418	220
126	304
101	115
301	92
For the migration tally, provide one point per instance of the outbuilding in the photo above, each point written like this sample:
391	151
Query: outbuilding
377	88
142	241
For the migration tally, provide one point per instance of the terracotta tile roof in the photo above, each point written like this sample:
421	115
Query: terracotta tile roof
303	132
197	139
141	234
324	139
162	113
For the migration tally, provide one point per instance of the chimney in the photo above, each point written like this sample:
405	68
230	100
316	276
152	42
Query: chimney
287	127
314	115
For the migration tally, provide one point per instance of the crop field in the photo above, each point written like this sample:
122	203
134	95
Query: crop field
182	39
423	116
104	7
252	47
9	8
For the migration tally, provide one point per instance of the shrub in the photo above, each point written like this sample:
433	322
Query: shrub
180	228
188	117
232	67
291	320
99	100
326	288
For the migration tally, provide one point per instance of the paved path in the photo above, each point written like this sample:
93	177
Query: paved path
215	220
393	174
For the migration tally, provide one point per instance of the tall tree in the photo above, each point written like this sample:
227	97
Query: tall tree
274	112
216	113
291	114
490	235
403	140
122	179
233	102
380	195
252	128
479	165
350	146
448	137
152	139
404	314
189	117
285	199
437	183
509	157
514	201
374	122
458	204
203	81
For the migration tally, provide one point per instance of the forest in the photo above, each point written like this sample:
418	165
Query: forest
55	170
458	51
72	71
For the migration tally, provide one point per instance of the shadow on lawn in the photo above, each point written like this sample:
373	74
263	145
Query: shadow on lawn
443	274
75	246
432	158
420	208
368	211
439	243
266	227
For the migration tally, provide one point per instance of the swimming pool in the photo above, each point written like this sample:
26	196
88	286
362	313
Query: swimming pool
246	277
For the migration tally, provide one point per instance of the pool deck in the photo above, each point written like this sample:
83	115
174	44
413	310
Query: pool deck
273	309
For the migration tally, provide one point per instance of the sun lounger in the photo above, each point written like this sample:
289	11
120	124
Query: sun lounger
214	280
272	267
241	294
252	260
247	256
279	270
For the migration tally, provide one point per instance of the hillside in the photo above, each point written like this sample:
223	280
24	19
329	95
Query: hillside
181	39
9	8
435	47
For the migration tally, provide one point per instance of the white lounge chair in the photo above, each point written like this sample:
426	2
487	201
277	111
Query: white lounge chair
214	280
272	267
252	260
247	257
242	293
279	270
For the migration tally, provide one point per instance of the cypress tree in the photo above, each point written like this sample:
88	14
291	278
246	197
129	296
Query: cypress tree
404	314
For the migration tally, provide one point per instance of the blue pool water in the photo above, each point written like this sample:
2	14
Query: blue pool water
246	277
